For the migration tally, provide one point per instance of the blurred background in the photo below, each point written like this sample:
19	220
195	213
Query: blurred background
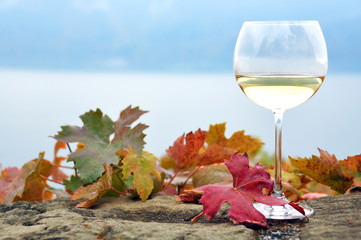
59	59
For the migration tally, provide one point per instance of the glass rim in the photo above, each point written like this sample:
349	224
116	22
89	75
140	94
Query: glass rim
282	22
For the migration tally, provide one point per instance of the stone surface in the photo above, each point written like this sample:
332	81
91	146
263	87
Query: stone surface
162	218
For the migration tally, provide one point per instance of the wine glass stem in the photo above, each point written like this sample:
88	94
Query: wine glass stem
277	189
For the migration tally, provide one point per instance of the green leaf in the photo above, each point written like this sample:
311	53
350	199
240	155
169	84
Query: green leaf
73	184
96	128
98	149
127	135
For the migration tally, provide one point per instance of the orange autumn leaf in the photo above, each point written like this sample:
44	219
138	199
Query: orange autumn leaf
30	184
212	174
35	185
215	153
185	151
221	148
203	148
47	195
9	174
79	146
325	169
95	190
238	141
57	174
354	164
166	162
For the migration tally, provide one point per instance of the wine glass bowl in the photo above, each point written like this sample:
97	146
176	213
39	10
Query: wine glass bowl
280	65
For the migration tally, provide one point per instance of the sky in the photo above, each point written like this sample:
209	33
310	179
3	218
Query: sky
59	59
159	35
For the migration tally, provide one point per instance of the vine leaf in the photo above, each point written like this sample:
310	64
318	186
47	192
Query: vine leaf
203	148
248	185
185	150
9	174
28	185
220	147
72	184
7	185
122	129
238	141
57	174
142	167
325	169
212	174
95	190
353	164
98	149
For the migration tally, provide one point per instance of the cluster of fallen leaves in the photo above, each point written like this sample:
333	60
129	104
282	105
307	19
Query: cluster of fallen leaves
203	166
104	166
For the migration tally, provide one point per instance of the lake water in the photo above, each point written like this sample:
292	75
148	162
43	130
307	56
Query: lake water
35	104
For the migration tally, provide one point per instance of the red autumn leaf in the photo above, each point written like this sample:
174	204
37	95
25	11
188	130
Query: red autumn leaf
57	174
298	208
249	185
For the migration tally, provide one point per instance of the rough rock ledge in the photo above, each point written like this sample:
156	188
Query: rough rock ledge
162	218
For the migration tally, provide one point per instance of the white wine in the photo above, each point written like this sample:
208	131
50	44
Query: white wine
279	92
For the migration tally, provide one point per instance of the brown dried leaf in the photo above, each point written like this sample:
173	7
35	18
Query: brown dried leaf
95	190
325	169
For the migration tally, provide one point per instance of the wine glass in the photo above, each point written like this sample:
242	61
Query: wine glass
280	65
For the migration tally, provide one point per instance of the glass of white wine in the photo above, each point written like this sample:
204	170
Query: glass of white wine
280	65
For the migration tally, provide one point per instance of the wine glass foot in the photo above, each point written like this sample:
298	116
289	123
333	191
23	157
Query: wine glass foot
285	212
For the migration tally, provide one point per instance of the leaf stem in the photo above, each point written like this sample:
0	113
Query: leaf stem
76	170
175	174
51	180
115	190
62	166
191	175
196	217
